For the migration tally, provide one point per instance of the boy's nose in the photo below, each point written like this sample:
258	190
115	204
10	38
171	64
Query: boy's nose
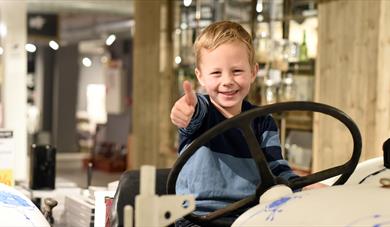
227	79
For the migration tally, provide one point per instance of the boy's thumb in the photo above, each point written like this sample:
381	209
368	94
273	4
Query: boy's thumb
190	96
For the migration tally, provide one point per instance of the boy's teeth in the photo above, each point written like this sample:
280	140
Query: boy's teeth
229	92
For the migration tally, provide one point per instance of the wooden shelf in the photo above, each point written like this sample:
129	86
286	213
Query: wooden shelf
294	120
302	120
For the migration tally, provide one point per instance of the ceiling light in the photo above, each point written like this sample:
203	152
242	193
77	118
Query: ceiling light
87	62
187	2
259	6
54	45
110	39
30	47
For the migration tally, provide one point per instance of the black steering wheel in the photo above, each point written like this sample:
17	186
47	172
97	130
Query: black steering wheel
243	122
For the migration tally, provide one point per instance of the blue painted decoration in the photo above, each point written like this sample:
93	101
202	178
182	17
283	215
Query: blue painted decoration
375	220
9	199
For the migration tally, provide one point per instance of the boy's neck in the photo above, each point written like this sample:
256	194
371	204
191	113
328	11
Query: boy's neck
228	112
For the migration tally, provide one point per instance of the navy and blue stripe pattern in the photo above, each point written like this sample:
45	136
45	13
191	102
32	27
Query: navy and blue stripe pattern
223	171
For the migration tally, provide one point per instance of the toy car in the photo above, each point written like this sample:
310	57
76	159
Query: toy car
355	199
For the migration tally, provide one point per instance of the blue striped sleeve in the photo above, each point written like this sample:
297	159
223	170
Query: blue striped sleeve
270	144
270	139
282	169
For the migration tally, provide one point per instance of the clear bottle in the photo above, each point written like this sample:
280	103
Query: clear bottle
288	89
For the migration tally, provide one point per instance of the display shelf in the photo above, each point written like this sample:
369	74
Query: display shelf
302	67
294	121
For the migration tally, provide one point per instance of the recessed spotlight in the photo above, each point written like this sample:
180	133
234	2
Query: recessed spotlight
30	47
87	62
110	40
259	6
187	2
54	45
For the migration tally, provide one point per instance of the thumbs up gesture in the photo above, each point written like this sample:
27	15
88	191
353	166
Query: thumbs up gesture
184	108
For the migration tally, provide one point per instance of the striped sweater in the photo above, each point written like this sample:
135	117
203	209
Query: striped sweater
223	171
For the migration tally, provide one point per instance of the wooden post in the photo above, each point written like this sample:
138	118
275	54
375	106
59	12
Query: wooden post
152	84
168	84
351	74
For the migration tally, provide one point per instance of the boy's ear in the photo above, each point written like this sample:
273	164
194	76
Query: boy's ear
199	76
254	72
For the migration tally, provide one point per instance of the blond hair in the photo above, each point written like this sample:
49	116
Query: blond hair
220	33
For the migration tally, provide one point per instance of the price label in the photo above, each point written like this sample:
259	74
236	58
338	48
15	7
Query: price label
6	157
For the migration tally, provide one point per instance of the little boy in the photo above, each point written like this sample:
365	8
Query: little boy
223	171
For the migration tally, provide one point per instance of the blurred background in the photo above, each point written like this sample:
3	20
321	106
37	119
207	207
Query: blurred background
96	79
86	87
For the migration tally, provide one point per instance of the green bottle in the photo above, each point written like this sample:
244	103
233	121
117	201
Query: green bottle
303	49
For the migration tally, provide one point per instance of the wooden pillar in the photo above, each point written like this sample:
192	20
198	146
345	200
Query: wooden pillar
168	85
152	84
352	75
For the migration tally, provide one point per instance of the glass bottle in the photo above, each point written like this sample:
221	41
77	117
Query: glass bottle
288	89
303	48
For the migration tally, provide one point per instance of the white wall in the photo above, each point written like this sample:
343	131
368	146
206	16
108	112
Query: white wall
89	75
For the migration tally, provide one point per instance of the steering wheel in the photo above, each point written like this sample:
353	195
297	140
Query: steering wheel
243	122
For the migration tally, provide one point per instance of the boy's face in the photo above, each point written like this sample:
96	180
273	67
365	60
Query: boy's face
226	75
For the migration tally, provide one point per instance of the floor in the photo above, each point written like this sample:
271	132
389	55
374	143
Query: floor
72	169
71	175
79	176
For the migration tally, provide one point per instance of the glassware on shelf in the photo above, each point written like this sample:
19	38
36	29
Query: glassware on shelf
263	49
269	92
279	60
287	90
275	54
291	51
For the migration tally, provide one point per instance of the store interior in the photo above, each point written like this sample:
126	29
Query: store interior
102	130
100	78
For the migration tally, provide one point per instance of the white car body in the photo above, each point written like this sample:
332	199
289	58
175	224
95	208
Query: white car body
362	201
18	210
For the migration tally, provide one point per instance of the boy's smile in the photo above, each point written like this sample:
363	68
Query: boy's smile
226	74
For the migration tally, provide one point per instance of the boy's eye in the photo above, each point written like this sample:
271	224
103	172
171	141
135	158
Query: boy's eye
215	73
237	71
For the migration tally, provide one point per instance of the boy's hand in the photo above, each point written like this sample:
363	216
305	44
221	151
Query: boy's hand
315	186
184	108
